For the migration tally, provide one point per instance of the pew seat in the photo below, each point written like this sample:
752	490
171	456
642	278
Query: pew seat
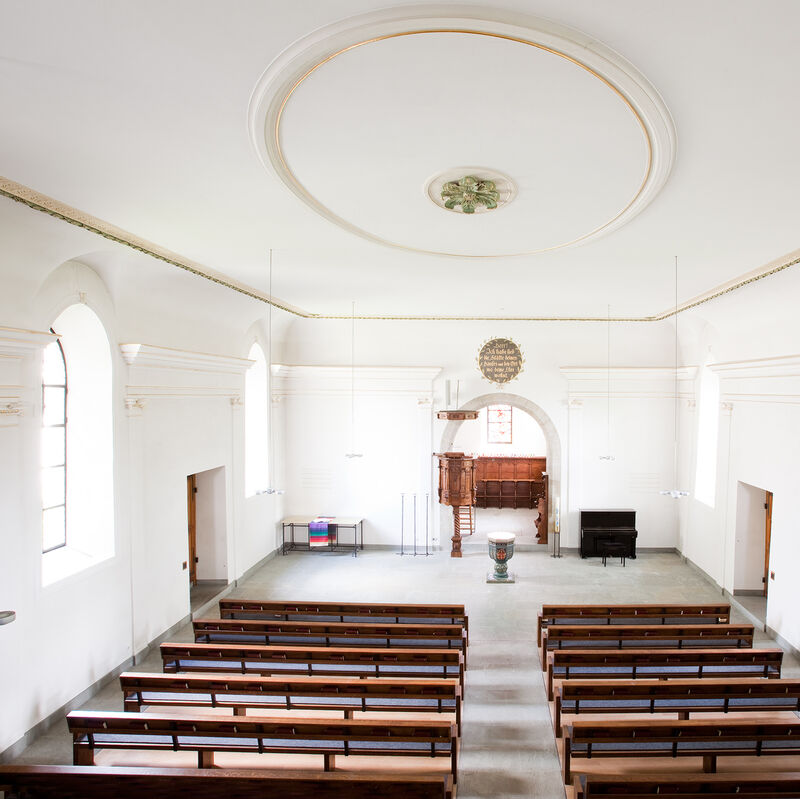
632	664
703	740
117	782
707	786
674	636
631	614
258	694
204	735
576	697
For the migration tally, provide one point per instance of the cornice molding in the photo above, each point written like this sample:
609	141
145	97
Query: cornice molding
780	366
136	397
628	372
291	380
16	342
36	201
153	357
629	382
66	213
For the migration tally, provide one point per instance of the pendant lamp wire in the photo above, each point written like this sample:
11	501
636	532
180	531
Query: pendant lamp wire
608	456
353	453
675	493
271	489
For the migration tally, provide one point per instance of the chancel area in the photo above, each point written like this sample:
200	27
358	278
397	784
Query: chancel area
399	399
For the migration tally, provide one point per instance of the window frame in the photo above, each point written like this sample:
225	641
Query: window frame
63	425
494	439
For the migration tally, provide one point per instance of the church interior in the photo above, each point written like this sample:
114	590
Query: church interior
387	304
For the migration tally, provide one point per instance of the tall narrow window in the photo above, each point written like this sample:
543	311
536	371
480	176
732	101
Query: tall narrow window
54	447
256	445
705	484
498	424
77	448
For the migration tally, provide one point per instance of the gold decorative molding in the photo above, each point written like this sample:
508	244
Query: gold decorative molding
47	205
66	213
12	409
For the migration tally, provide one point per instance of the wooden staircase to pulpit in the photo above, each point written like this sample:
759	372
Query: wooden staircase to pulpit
463	520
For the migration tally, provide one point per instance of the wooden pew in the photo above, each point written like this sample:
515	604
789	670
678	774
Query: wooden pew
649	664
326	633
343	611
240	693
630	614
314	661
784	785
576	697
707	740
207	735
119	782
675	636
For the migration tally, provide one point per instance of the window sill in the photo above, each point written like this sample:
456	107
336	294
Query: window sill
64	562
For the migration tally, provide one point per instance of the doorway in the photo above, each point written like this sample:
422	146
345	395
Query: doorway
207	535
751	558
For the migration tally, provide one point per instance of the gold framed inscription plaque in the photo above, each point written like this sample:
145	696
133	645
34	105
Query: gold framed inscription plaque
500	360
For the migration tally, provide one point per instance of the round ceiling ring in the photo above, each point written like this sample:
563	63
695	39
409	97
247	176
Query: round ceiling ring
301	59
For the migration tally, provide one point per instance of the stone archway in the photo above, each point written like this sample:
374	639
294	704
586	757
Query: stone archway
545	422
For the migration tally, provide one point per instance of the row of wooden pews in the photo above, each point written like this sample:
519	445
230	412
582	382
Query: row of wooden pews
717	701
366	696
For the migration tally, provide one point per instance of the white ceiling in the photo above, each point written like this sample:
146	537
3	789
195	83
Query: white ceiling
137	113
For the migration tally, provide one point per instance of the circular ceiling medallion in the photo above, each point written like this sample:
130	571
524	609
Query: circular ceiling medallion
356	116
502	189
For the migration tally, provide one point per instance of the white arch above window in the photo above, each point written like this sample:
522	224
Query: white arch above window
256	413
89	445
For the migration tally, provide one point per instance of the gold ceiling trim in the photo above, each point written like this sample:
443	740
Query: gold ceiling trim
331	216
47	205
66	213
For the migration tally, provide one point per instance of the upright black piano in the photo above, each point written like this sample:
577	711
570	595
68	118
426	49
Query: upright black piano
617	525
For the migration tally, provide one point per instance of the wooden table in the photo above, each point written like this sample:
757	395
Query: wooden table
336	522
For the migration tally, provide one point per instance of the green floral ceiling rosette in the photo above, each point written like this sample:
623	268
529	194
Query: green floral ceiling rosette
469	193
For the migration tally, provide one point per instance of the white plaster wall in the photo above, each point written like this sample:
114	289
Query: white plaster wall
751	535
321	480
182	421
755	336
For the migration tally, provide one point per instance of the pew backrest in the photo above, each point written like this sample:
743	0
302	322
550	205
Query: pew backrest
314	661
633	664
98	782
259	694
677	636
576	697
631	614
325	633
343	611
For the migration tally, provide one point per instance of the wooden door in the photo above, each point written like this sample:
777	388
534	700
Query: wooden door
768	507
191	501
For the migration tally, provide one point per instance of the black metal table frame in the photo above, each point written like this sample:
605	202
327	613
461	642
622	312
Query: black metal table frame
288	546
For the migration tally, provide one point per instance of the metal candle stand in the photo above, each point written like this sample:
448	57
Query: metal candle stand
414	552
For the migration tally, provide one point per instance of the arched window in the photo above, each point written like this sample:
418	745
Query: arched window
77	444
256	446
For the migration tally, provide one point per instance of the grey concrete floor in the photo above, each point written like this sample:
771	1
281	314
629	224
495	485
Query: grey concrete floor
508	748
